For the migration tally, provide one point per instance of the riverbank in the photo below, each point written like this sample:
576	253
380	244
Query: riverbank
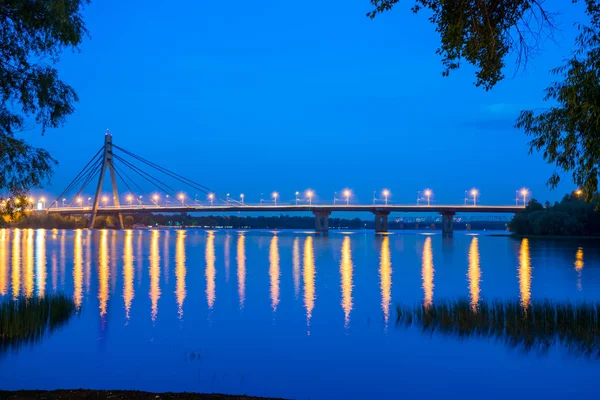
552	237
113	394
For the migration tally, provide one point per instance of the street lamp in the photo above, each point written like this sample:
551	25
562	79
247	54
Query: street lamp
386	194
347	196
129	199
79	200
181	198
105	200
242	197
474	192
43	201
297	198
63	201
524	192
578	192
310	195
155	199
89	201
227	198
211	197
428	194
275	194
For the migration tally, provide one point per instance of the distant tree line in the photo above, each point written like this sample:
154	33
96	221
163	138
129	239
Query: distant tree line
54	221
569	217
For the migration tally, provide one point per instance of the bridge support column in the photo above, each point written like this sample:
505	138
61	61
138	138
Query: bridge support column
107	163
381	221
322	222
447	223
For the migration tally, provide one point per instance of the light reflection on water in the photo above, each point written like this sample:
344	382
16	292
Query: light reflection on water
525	273
292	298
474	272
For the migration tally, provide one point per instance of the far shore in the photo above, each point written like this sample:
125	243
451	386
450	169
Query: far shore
115	395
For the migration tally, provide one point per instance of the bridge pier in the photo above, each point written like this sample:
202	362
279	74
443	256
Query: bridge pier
447	223
322	222
381	221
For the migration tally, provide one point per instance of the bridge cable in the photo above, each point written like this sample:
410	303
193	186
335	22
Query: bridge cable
121	173
155	181
86	182
118	172
145	175
172	174
90	165
79	176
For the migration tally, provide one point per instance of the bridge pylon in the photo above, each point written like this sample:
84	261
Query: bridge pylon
107	163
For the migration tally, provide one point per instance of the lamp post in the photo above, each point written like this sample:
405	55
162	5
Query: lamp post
155	198
428	194
386	194
63	201
275	194
242	198
227	198
309	194
347	196
524	192
211	197
182	199
79	201
105	200
297	193
474	192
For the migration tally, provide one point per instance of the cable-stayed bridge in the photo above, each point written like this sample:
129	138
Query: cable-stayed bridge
128	169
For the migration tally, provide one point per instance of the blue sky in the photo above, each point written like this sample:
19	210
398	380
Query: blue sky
251	97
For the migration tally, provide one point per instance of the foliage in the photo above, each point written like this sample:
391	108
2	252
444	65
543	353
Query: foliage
571	217
24	321
32	36
568	133
542	325
51	221
128	221
482	32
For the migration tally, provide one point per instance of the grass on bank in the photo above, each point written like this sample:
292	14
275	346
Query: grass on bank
24	321
534	326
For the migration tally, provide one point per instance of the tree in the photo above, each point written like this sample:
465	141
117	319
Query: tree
568	134
128	221
33	34
483	33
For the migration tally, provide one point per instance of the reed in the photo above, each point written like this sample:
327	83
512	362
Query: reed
534	326
24	321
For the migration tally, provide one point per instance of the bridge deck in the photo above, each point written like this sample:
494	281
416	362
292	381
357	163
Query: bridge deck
288	208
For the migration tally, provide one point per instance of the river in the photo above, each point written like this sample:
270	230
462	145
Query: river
289	314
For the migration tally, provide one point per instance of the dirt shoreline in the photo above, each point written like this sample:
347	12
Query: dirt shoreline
115	395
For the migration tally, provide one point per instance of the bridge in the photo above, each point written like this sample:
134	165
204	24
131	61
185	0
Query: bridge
104	160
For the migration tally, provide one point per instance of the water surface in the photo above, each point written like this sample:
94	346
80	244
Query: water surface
289	314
